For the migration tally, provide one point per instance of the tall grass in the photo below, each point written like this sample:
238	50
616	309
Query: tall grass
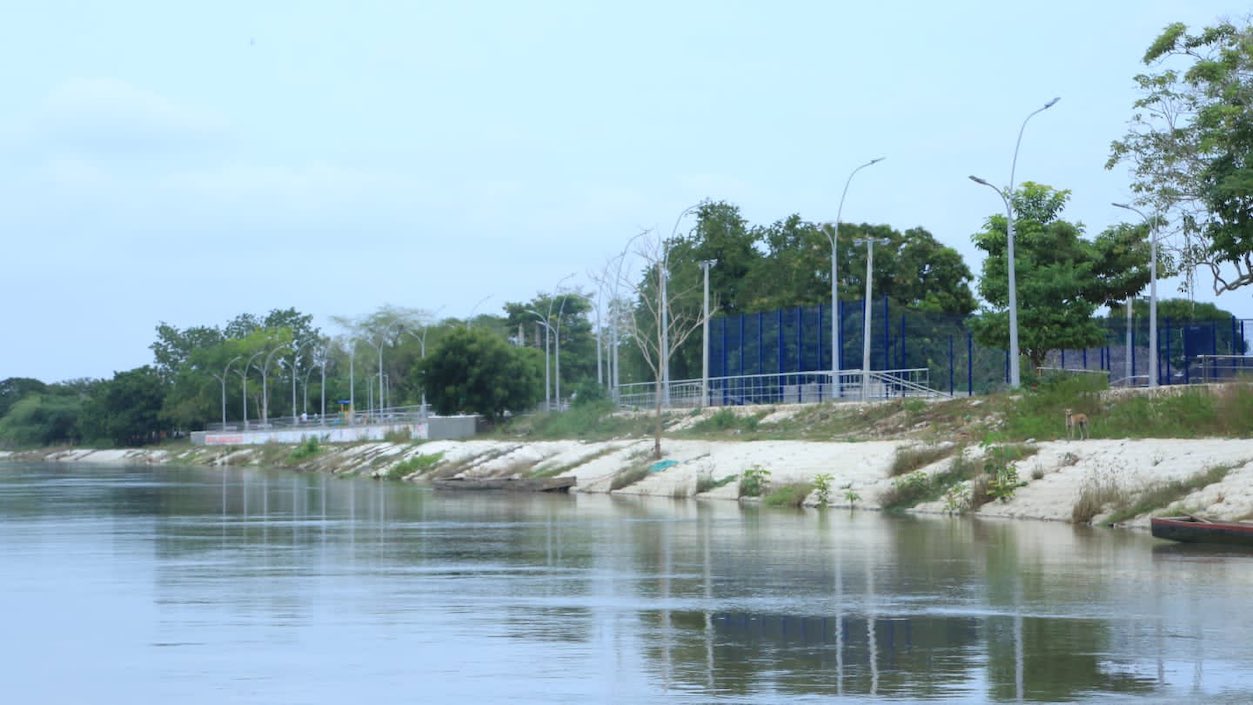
911	458
789	495
1101	494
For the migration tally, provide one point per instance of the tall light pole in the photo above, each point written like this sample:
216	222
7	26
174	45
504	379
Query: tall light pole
705	265
1148	223
225	373
665	304
265	387
470	318
1015	375
548	404
295	369
378	346
557	354
421	336
244	375
834	238
869	242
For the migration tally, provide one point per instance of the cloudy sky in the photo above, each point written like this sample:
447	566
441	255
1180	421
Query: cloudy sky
186	162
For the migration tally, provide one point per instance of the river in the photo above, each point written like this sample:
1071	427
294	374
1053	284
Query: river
192	585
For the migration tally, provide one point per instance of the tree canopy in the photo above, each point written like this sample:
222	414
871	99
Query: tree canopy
1189	143
1062	278
476	371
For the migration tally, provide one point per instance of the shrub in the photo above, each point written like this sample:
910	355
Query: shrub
822	483
753	481
851	496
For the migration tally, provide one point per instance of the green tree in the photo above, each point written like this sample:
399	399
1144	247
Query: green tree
50	416
1189	144
126	410
567	313
14	389
1061	277
476	371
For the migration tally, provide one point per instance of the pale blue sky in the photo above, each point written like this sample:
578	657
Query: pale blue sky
167	162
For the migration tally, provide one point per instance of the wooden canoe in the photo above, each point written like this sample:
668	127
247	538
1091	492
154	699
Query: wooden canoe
507	484
1193	529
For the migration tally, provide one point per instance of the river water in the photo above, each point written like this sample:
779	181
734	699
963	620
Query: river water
188	585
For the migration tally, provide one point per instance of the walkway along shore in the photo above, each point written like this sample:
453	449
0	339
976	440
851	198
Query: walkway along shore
1053	475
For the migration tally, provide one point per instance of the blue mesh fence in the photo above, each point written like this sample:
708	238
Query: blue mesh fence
796	340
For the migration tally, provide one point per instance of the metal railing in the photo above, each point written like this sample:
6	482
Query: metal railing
387	416
787	388
1223	368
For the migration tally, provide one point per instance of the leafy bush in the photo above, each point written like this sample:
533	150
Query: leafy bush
822	483
753	481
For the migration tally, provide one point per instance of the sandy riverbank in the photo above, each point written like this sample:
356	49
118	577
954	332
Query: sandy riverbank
1054	475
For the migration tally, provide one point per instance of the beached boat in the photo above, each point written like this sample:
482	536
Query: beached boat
1193	529
508	484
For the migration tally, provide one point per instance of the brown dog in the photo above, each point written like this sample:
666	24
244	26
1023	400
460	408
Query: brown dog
1076	422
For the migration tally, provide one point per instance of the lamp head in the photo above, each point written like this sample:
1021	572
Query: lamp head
1052	102
877	160
1121	205
977	180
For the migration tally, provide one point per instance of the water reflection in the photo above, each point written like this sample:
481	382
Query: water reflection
268	586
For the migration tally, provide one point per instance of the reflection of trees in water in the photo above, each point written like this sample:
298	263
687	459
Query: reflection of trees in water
914	656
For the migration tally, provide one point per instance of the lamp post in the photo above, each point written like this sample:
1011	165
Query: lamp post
1015	375
557	351
421	336
379	347
705	265
265	387
834	238
665	305
548	404
869	242
295	369
244	375
470	318
1148	223
225	373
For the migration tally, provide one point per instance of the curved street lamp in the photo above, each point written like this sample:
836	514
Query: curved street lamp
1015	375
265	387
548	404
834	239
244	375
1152	292
225	373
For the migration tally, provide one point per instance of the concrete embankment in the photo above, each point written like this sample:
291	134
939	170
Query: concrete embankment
1053	475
